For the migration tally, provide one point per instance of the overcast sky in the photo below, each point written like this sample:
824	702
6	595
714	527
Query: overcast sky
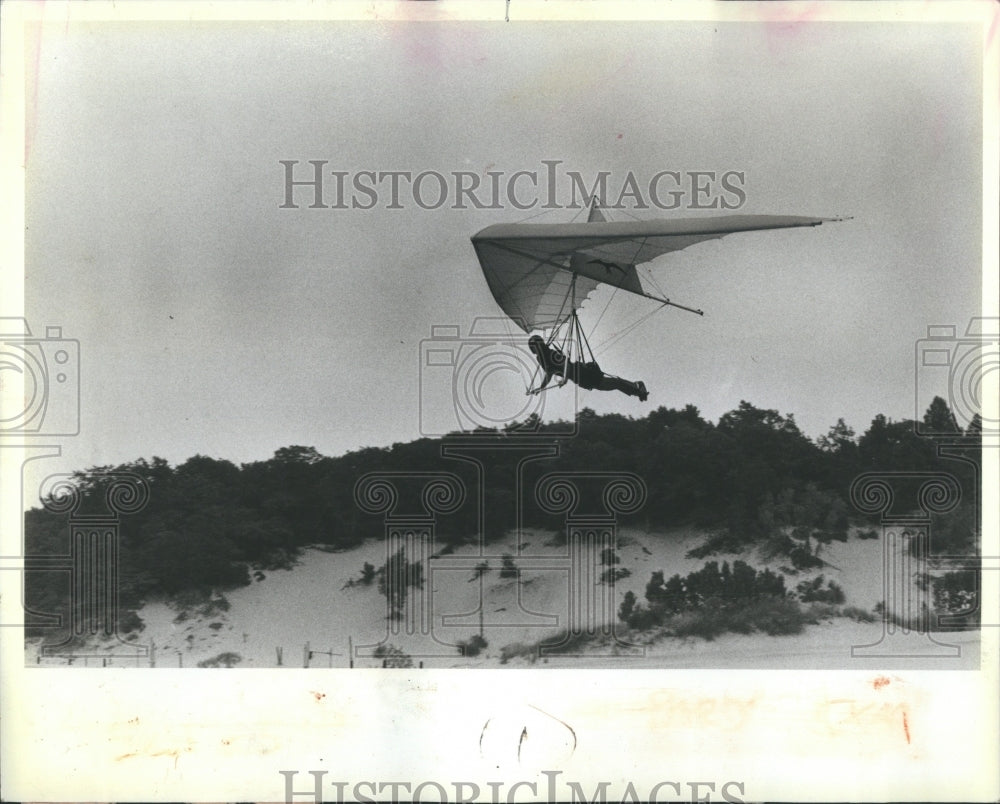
212	321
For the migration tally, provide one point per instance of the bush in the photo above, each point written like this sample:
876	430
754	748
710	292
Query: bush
615	574
858	615
813	592
802	558
777	616
730	586
215	606
706	623
564	642
515	649
643	619
821	611
129	621
472	646
394	579
392	656
868	534
723	541
637	617
227	659
627	606
956	592
778	544
508	569
190	598
278	559
771	615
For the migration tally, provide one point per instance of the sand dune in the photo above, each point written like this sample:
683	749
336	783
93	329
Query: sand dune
285	613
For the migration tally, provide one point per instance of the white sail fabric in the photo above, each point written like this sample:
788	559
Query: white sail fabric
540	273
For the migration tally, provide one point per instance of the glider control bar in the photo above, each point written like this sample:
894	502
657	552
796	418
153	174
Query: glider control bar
673	304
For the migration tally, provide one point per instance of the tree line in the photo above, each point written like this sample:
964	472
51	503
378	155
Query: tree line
751	477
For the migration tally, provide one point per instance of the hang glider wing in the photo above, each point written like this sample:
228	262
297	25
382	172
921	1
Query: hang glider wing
541	273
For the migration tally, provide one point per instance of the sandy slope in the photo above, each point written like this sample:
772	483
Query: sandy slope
313	604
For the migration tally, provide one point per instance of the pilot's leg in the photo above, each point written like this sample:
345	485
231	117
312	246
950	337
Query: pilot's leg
609	383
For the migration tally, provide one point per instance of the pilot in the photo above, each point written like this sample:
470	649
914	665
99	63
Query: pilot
587	375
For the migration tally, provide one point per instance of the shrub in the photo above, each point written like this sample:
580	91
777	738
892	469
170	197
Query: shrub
472	646
227	659
627	606
821	611
643	619
508	569
857	614
723	541
868	534
813	591
392	656
129	621
956	592
777	616
778	544
190	598
394	579
278	559
772	615
564	642
729	586
802	558
615	574
215	606
635	616
706	623
515	649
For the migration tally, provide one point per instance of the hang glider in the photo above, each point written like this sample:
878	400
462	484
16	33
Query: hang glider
540	274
